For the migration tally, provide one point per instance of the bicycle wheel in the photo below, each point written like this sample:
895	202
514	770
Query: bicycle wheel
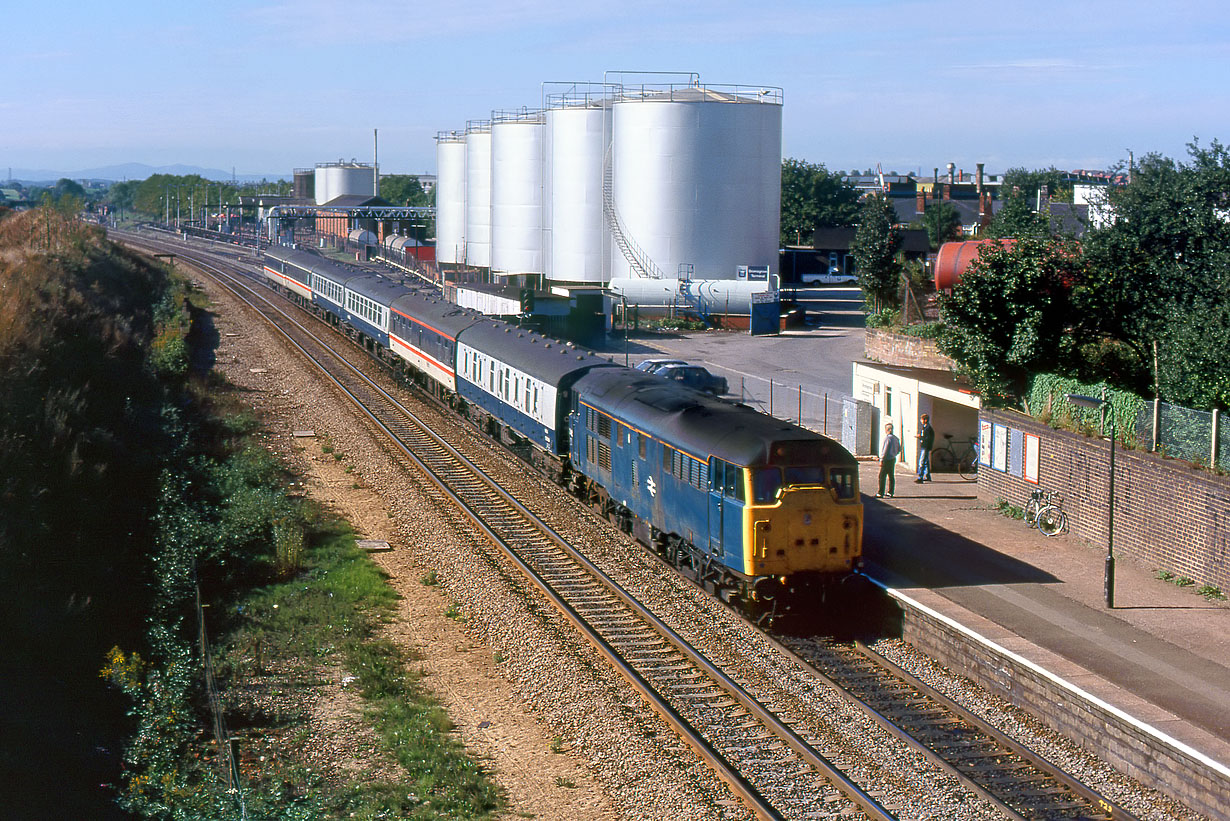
942	460
1052	520
1031	512
968	467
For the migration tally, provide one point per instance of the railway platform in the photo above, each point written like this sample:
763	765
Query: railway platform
1161	656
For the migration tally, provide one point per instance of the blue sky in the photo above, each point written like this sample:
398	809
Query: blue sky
268	85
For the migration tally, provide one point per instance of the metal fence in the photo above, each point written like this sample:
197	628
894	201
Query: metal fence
1182	433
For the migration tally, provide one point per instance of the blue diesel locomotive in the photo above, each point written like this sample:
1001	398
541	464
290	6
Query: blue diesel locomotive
759	511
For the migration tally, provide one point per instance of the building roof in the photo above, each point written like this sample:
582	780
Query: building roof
355	201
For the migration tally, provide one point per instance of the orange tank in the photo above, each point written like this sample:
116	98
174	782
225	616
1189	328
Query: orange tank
955	257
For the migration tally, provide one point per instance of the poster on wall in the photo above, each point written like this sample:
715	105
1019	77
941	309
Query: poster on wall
1032	444
984	443
1016	462
999	448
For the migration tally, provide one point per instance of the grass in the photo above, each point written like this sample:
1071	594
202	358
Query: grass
330	615
1208	591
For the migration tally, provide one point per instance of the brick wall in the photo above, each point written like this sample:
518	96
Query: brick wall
908	351
1168	515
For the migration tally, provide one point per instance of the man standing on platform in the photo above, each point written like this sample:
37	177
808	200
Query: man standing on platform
926	441
890	449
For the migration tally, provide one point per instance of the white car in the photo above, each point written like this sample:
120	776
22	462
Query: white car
833	277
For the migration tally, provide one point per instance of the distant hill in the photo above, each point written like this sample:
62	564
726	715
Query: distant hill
133	171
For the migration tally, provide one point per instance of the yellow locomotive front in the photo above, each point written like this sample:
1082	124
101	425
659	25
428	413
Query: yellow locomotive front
803	520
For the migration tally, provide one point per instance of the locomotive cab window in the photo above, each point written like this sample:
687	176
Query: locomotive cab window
810	475
843	482
766	482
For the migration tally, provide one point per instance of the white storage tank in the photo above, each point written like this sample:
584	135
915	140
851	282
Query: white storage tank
338	179
451	196
516	192
578	131
696	179
478	194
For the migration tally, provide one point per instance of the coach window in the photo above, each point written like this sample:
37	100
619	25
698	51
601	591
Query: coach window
843	482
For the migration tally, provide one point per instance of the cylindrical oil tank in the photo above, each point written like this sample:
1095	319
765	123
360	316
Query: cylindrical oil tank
451	196
516	193
341	179
478	194
697	179
578	131
304	184
705	297
955	257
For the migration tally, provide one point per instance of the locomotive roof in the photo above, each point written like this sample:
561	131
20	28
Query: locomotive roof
446	317
547	359
701	424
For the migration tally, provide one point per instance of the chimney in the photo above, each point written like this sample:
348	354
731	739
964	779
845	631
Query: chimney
952	170
979	167
937	176
920	199
948	189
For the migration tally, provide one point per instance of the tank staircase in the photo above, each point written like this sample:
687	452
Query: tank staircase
637	259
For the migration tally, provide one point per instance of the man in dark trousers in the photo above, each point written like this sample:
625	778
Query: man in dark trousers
926	441
890	449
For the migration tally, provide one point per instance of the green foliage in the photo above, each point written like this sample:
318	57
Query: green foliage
813	197
1025	183
1017	220
1008	509
1160	273
942	222
923	330
1046	400
403	189
876	243
885	318
1010	316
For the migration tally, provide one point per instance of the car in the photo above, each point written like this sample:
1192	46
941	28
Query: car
833	277
652	364
694	376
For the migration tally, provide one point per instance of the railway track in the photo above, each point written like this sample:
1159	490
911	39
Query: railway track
774	768
1021	783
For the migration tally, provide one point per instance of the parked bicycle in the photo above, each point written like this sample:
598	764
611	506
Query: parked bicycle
1044	510
948	457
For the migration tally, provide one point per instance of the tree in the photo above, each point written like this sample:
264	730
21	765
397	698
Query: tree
875	247
1028	183
68	188
942	223
1160	272
1017	220
404	189
813	197
1011	315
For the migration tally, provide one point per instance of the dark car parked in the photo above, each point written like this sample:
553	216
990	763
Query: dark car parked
694	376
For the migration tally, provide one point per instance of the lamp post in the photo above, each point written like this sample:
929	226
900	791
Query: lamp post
1109	579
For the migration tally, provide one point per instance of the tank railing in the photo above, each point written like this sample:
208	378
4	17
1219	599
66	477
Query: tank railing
450	136
577	95
516	115
478	126
681	92
638	259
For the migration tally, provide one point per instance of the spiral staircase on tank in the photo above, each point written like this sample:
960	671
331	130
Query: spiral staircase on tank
637	259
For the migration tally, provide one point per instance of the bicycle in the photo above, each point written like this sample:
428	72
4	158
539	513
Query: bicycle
1044	510
945	458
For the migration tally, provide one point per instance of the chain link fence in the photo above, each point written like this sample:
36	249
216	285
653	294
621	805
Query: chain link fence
1183	433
